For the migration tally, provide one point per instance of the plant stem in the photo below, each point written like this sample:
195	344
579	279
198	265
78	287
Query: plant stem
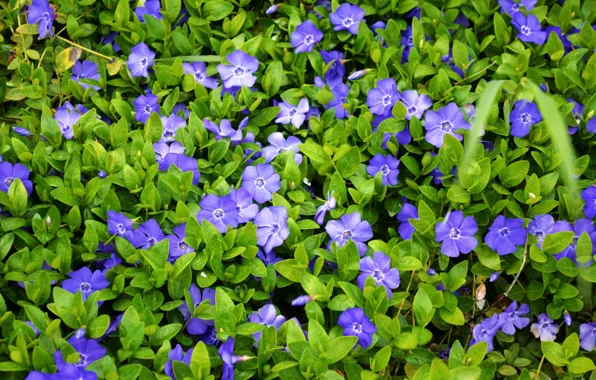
539	367
111	59
407	290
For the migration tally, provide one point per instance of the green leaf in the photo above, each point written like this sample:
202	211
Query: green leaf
215	10
557	242
423	308
580	365
571	345
341	347
349	163
439	370
381	359
476	354
514	174
554	353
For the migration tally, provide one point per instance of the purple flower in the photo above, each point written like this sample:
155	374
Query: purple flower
182	162
448	59
528	28
223	130
268	258
329	204
278	145
181	107
42	14
457	234
589	197
147	235
301	300
380	100
337	70
140	60
197	326
226	352
494	276
163	149
577	111
244	206
152	8
591	125
261	182
272	9
88	350
379	268
543	225
378	25
178	246
350	227
407	40
486	331
9	172
355	323
566	43
388	166
272	227
199	71
347	17
567	319
415	104
512	7
170	125
545	329
240	71
444	121
523	116
86	281
511	318
579	227
145	105
21	131
85	70
431	272
340	92
118	224
587	336
358	74
35	330
67	116
291	114
267	315
505	234
219	211
111	39
176	354
111	262
305	36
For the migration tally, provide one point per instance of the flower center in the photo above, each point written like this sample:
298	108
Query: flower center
85	287
182	246
410	41
347	235
199	76
259	182
292	113
525	30
504	232
454	233
148	109
539	236
412	110
348	22
385	169
8	181
515	7
357	328
218	214
143	61
309	39
152	241
526	118
82	360
386	100
446	126
275	228
121	229
239	71
66	128
378	275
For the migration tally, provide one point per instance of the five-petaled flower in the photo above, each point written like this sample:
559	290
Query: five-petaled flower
407	212
350	227
240	70
85	70
305	36
486	331
347	17
442	122
513	318
388	166
589	197
529	28
544	328
380	100
415	103
147	235
140	60
199	71
272	227
145	105
261	182
355	323
178	246
457	234
41	13
291	114
197	326
587	336
278	144
10	172
219	211
267	315
85	281
505	234
523	116
379	268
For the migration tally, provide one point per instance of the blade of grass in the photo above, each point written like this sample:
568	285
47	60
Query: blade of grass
194	58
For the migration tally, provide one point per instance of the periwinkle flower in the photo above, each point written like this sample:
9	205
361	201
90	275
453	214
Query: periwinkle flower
291	114
388	166
89	351
350	227
111	39
145	105
444	121
347	17
577	111
170	125
415	103
85	281
337	70
305	36
379	268
85	70
579	227
431	272
118	224
147	235
278	144
355	323
523	116
10	172
181	108
407	40
567	318
178	246
41	13
268	258
564	40
199	71
589	197
272	227
512	7
140	60
66	117
163	149
340	92
267	315
494	276
378	25
219	211
545	328
457	234
301	300
329	204
240	70
541	226
358	74
21	131
528	28
261	182
152	8
272	9
226	352
244	206
505	234
587	336
380	100
223	130
182	162
485	331
197	326
177	354
512	318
